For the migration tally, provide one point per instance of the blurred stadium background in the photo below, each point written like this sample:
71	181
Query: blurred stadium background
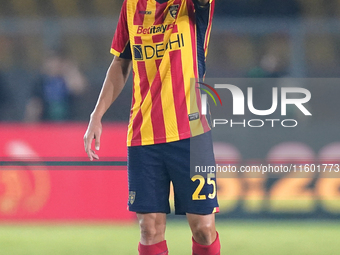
62	211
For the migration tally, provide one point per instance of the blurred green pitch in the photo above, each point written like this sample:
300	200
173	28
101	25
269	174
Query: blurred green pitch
237	238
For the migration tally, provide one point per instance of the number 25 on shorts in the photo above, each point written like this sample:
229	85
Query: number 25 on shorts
210	181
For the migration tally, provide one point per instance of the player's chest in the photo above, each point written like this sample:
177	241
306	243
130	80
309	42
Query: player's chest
154	12
149	18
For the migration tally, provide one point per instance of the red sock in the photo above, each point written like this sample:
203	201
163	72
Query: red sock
155	249
213	249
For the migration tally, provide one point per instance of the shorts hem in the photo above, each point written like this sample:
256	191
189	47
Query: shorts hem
199	212
145	210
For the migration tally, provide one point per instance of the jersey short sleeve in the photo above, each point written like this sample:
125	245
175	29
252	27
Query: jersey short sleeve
121	43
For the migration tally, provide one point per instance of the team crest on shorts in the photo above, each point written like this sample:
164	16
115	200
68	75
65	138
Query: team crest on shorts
132	196
174	10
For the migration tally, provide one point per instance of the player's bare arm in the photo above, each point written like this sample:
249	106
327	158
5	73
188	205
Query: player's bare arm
114	83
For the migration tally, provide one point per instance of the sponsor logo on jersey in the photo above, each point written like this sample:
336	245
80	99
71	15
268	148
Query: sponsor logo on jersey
145	12
194	116
154	29
145	52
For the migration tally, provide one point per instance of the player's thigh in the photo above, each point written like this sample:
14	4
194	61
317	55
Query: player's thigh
152	220
197	221
149	183
194	193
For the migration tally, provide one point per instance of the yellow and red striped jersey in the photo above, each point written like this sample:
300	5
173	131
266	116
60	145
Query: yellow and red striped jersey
167	41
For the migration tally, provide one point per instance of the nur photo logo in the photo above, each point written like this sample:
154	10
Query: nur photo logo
204	96
289	97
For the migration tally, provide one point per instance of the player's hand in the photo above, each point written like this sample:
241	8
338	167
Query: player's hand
94	131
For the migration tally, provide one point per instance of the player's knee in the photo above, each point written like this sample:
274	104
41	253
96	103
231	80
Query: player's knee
151	230
151	233
204	233
148	232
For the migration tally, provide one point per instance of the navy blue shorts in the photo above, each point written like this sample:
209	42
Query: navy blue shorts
152	168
